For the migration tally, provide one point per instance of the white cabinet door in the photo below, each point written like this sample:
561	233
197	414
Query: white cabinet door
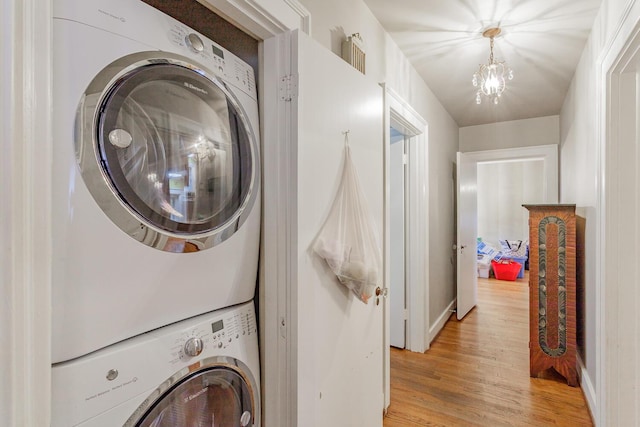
339	338
467	233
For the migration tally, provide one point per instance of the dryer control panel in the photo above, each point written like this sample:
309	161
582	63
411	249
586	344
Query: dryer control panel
222	62
140	22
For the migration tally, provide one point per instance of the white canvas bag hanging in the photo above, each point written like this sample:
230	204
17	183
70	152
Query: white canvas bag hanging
347	240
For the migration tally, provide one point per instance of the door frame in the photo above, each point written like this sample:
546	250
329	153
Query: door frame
404	118
26	228
616	373
547	153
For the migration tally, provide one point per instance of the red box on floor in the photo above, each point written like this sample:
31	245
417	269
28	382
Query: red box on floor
506	270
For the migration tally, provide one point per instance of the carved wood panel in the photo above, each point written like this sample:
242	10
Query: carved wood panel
552	290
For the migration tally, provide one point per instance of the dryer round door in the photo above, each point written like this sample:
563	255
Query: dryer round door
167	152
220	393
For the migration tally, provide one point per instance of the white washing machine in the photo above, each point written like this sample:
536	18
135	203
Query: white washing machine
202	371
156	183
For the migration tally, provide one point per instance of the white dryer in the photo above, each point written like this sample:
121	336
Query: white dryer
202	371
156	183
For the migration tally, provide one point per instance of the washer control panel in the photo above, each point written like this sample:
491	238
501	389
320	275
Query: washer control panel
222	62
127	372
193	347
213	335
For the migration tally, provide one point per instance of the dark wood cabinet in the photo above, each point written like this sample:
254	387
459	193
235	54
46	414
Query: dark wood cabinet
552	290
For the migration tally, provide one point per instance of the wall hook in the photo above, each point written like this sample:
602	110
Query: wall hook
346	137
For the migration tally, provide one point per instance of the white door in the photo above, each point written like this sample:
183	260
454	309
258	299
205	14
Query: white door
467	227
397	298
338	338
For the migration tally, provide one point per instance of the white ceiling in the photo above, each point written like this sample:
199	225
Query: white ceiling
541	40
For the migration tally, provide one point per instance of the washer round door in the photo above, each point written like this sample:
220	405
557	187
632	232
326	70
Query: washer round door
167	152
220	393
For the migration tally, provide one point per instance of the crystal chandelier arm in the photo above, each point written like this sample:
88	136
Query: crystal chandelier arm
490	79
491	53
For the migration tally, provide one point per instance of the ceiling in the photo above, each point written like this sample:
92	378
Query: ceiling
541	40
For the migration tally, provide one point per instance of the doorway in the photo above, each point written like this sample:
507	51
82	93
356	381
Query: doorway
397	238
467	214
410	131
503	187
618	290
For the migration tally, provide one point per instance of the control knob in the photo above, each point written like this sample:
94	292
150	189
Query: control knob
193	347
194	42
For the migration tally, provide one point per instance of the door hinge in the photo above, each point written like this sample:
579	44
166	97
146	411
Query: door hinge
405	159
405	314
288	87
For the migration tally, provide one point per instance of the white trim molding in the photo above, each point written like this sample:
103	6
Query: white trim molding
547	153
588	390
403	117
25	229
441	321
277	294
263	18
618	242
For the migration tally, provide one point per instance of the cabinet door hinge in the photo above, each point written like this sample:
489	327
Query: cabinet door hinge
288	88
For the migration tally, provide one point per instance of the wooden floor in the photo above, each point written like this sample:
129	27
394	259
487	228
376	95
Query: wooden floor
477	372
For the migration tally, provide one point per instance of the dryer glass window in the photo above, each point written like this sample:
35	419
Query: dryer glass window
215	397
176	148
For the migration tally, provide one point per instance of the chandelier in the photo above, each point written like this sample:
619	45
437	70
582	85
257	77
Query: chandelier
490	79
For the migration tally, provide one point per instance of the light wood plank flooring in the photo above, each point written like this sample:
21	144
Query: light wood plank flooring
477	372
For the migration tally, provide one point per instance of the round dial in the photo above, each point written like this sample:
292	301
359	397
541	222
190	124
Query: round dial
194	42
193	347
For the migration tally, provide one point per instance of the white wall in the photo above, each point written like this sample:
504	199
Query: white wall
332	20
579	129
503	188
578	181
511	134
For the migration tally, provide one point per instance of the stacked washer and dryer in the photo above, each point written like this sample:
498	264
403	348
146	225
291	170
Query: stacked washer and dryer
156	191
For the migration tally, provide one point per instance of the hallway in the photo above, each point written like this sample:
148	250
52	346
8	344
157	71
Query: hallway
477	372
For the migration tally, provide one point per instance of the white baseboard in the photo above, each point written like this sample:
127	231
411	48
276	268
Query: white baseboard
587	389
435	329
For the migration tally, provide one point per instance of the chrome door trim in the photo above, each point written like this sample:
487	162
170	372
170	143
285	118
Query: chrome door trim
209	363
99	183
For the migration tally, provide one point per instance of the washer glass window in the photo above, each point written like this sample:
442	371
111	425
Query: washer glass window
214	397
175	149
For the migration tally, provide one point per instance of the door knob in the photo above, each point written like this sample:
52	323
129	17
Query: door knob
384	292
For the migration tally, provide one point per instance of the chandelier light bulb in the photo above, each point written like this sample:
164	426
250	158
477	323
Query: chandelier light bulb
491	79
